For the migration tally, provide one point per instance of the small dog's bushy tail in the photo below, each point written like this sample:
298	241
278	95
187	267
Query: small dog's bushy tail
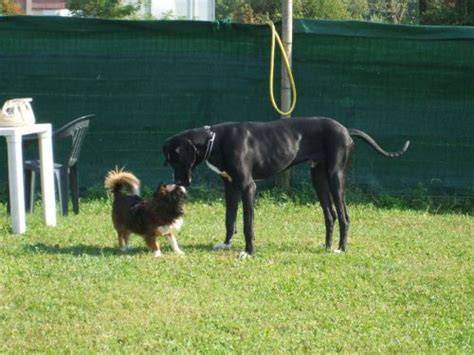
118	179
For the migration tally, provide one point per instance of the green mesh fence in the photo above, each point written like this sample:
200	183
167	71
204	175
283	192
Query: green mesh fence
146	80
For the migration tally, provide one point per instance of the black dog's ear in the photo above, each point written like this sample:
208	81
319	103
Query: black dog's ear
191	152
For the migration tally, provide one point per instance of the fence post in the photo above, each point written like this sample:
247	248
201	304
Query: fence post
283	179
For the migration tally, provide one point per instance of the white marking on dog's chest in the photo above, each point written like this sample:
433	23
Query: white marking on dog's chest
170	228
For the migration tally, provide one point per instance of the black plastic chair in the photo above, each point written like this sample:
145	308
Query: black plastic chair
65	172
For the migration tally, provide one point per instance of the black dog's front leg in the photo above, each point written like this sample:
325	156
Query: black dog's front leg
232	196
248	198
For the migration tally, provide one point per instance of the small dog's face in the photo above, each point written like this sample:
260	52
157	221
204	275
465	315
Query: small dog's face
181	155
165	189
174	194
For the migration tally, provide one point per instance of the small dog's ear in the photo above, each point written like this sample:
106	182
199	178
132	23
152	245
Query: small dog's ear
159	189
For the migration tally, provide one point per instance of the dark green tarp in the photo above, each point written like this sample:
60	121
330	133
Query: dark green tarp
146	80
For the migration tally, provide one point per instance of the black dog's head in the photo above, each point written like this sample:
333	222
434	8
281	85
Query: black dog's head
181	154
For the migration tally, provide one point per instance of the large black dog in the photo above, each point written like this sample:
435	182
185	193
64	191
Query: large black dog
244	152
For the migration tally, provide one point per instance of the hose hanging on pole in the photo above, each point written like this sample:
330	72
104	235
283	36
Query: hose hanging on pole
276	36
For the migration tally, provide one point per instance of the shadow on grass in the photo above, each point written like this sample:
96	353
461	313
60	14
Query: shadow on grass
92	250
197	247
81	249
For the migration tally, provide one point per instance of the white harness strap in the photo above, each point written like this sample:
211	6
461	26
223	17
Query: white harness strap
210	144
220	172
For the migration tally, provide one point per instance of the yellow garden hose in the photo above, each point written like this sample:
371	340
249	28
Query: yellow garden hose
288	70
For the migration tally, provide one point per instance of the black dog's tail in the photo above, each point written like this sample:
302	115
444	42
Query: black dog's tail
116	180
371	141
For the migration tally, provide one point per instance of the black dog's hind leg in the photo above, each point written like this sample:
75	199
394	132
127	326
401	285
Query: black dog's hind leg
319	179
337	174
337	190
232	197
248	199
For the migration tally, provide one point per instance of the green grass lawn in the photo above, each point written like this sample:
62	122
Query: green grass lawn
405	286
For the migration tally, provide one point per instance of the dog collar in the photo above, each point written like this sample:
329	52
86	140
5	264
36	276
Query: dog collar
210	144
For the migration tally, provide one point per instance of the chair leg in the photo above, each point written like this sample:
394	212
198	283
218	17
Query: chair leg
62	184
27	182
64	190
32	191
57	179
30	178
8	197
74	184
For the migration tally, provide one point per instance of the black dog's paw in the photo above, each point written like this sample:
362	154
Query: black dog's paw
243	255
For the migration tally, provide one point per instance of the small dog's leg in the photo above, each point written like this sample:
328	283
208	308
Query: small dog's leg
120	240
123	240
174	244
153	245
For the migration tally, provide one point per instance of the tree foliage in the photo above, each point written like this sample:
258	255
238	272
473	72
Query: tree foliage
393	11
323	9
450	12
257	11
248	11
102	8
435	12
10	7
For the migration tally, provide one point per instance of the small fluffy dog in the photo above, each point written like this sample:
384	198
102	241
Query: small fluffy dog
162	215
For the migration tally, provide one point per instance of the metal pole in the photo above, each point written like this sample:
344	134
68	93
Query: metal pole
283	179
